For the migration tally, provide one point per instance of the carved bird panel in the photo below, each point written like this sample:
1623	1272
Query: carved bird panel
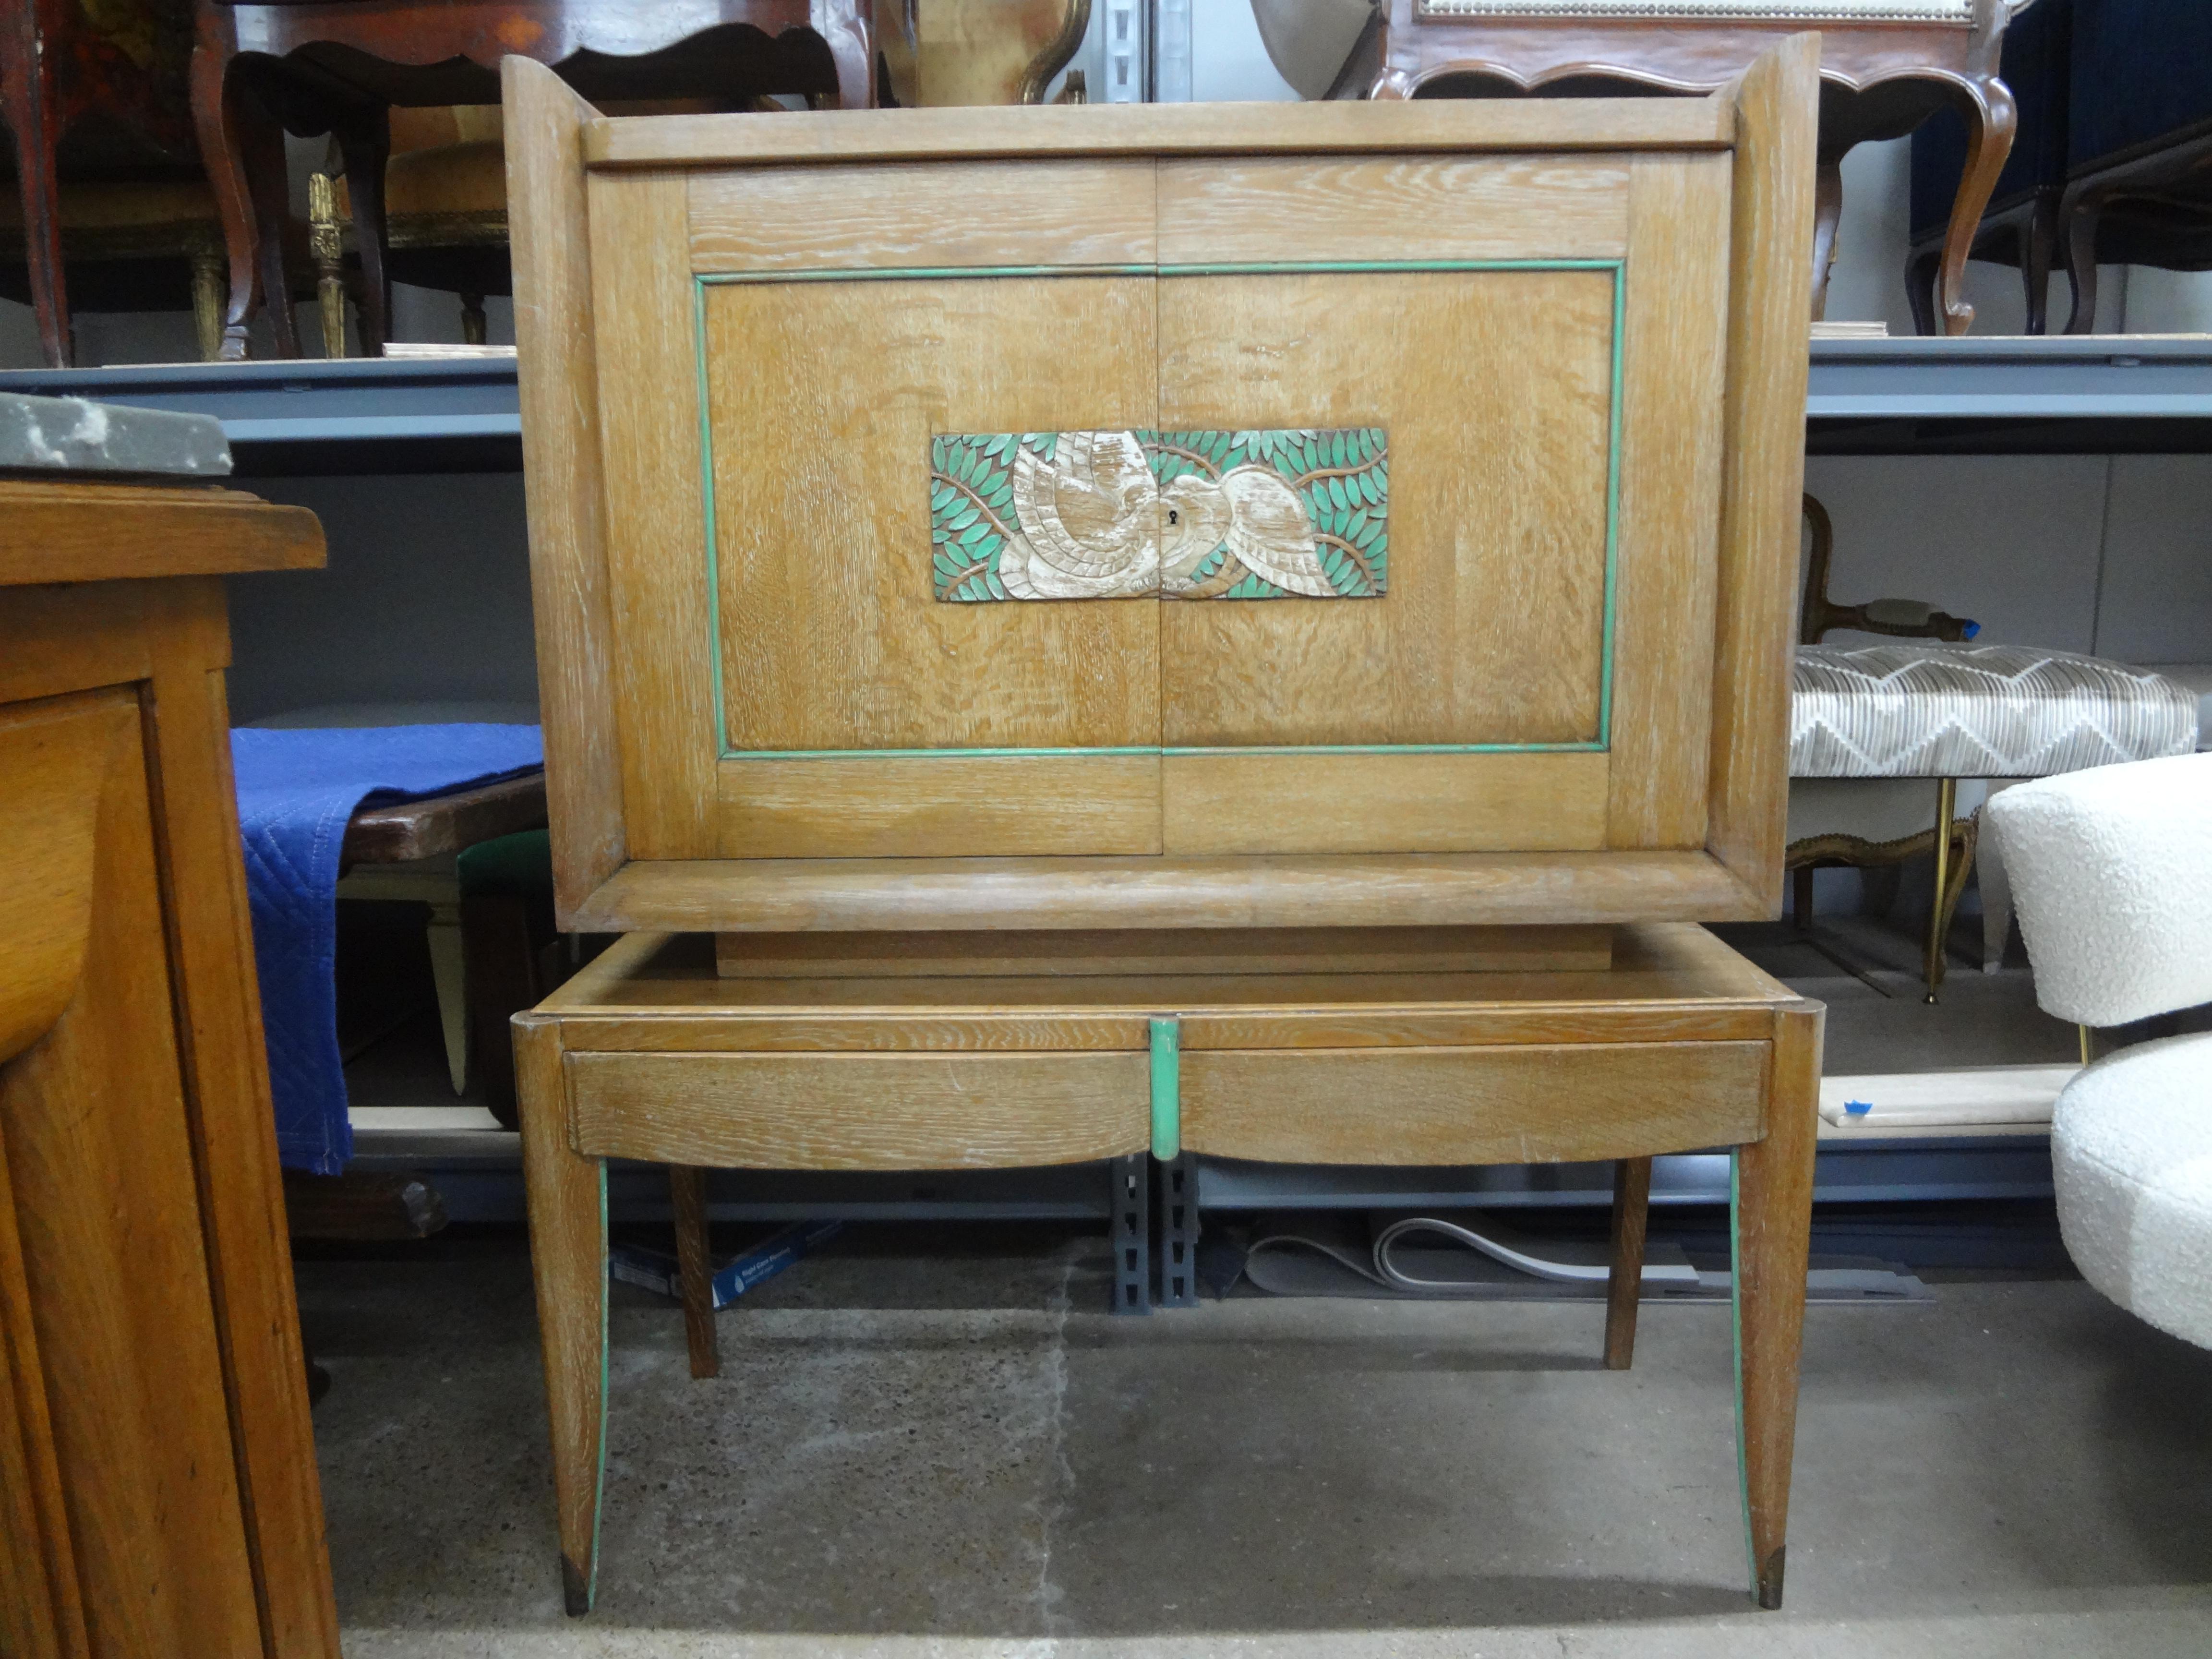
1280	513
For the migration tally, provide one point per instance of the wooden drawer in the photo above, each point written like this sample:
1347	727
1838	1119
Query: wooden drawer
1521	1104
860	1111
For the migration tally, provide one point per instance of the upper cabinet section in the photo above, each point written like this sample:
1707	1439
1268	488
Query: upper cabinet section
1163	483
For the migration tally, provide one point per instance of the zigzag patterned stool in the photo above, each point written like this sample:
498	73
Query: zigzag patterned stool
1948	712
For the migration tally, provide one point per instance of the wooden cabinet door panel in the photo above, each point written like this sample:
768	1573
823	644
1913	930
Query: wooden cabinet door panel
121	1342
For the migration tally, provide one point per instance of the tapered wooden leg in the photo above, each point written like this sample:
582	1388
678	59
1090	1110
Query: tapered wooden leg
1623	1285
1939	913
475	327
686	1193
220	115
1992	118
1771	1234
568	1259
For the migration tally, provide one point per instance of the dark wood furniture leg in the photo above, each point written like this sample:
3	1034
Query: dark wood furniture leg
2078	212
687	1195
569	1261
1992	118
2039	246
364	136
1827	212
1632	1215
1922	271
1773	1213
222	111
27	107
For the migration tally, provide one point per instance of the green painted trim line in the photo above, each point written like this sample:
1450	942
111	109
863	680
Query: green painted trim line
706	498
1158	750
1358	267
1602	743
599	1479
1611	507
912	273
1736	1328
923	753
1226	268
1167	1088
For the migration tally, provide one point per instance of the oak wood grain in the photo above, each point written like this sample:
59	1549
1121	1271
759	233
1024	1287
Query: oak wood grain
860	1111
923	214
1675	356
53	754
1212	951
233	1126
1402	890
823	397
1773	1233
1495	388
563	474
1762	480
1293	803
663	664
944	806
71	531
1392	207
687	1203
1523	1104
108	1212
1163	129
566	1195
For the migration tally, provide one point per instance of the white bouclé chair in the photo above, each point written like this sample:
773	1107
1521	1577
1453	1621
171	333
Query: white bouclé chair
2112	874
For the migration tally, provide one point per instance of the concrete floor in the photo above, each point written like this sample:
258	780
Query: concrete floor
932	1444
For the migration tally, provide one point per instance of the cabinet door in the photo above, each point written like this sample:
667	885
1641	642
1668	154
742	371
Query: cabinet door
1493	327
801	369
122	1430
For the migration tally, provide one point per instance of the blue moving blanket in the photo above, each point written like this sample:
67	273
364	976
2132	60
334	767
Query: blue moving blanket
297	789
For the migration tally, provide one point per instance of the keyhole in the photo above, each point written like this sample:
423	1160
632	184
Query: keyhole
1172	518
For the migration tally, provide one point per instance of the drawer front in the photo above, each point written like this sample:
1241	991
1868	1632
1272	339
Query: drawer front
1533	1104
860	1111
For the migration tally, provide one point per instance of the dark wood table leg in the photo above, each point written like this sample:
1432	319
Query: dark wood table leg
1987	106
1624	1286
364	136
1828	213
2038	247
1921	272
687	1193
32	122
1773	1222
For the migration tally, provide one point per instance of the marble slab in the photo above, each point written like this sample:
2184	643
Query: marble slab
74	434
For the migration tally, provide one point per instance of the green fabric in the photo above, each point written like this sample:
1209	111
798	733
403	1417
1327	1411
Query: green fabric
520	864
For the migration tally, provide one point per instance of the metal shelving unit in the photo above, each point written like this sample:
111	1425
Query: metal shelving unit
2090	394
1986	396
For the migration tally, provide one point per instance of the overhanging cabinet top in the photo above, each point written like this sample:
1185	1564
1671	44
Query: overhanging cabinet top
1164	515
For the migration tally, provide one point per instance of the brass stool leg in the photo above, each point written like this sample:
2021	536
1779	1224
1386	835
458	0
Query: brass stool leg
1947	802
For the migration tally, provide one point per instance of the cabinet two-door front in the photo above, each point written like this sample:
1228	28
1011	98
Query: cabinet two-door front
1163	505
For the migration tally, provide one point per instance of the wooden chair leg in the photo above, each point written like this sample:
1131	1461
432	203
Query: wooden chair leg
1939	912
1827	214
1772	1234
686	1193
2077	218
1992	118
1623	1285
568	1259
364	136
29	107
475	327
2039	247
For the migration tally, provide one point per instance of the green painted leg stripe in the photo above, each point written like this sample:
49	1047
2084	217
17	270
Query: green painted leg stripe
1167	1096
600	1478
1735	1325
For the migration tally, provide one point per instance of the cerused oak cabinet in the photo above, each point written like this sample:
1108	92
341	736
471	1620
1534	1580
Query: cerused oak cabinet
158	1493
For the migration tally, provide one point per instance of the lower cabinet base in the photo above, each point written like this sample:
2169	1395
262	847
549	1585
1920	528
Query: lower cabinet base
1679	1045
